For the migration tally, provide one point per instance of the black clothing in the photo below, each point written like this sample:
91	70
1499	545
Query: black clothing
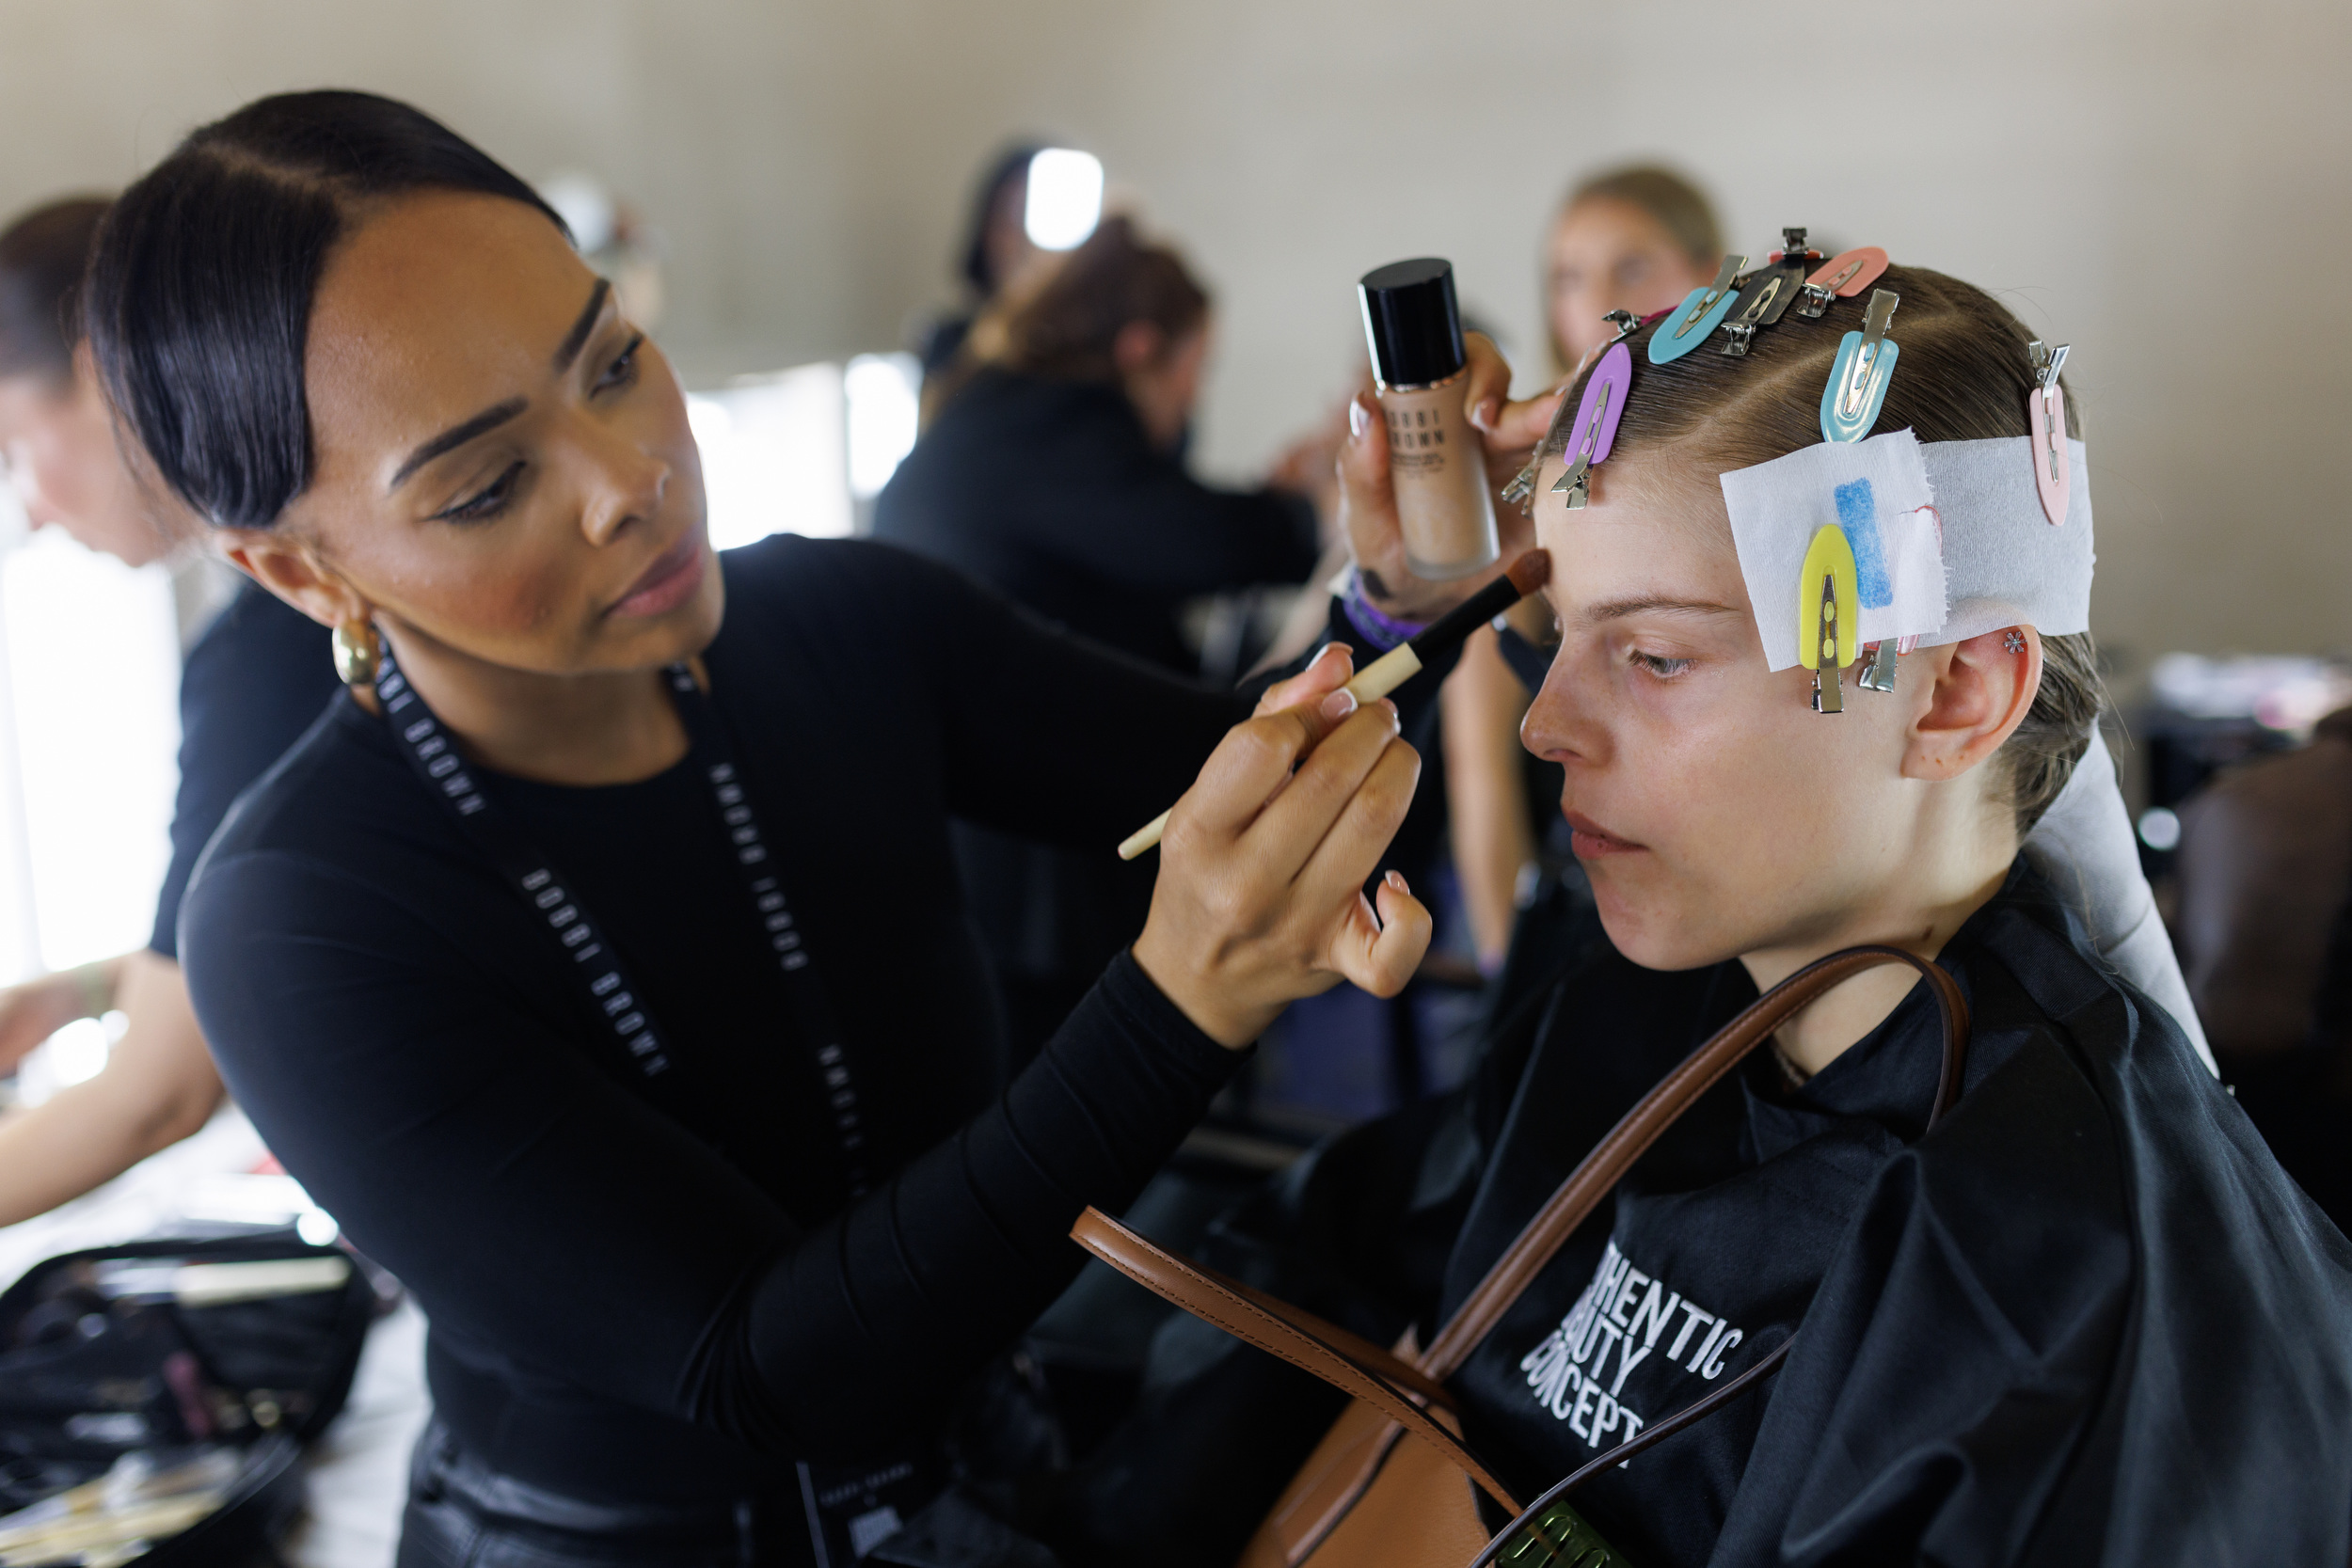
629	1307
622	1306
1051	492
253	682
2088	1319
461	1515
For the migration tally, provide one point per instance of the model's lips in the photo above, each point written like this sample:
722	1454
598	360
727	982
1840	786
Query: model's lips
1591	840
667	582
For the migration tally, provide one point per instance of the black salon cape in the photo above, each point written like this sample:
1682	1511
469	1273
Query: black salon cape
2087	1320
670	1298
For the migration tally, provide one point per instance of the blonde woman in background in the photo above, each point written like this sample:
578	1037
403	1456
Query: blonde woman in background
1632	239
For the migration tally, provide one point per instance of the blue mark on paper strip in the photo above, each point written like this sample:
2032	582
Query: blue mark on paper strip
1857	513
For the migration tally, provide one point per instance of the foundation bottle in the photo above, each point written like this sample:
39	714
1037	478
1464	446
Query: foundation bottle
1435	456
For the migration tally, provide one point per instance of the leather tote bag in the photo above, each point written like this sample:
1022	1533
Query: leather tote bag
1368	1498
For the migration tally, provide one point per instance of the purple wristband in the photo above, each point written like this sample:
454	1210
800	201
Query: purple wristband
1385	631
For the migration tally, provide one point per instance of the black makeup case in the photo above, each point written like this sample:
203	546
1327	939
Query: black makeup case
225	1354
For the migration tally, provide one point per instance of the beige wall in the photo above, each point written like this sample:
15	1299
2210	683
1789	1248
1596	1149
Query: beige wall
2163	184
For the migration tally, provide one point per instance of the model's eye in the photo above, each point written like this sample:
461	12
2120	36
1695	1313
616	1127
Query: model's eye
486	502
623	366
1658	665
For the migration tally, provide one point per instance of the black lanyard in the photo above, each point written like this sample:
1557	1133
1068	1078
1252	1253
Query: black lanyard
596	966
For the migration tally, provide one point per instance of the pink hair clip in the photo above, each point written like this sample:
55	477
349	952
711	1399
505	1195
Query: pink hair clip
2053	469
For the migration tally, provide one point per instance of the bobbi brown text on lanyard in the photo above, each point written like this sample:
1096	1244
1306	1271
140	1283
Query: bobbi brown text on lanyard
430	750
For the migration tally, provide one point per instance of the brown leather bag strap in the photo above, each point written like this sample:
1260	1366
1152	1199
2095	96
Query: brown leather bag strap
1353	1365
1600	1171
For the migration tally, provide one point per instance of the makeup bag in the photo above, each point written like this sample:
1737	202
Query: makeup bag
214	1359
1365	1498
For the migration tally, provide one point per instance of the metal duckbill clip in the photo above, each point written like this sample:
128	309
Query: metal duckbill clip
1596	424
1770	291
1857	381
1698	314
1846	274
1879	674
1828	614
2052	471
1523	487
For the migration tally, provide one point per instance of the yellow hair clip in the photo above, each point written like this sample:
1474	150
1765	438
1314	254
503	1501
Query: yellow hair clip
1828	614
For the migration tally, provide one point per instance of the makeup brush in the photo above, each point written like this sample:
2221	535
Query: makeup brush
1401	663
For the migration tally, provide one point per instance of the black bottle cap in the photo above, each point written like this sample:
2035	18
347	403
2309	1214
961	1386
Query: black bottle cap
1412	322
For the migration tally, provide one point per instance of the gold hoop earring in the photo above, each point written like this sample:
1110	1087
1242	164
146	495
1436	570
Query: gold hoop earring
358	652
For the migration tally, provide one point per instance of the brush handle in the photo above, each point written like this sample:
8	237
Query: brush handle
1371	683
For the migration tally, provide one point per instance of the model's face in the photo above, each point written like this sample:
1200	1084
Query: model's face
1605	255
1715	812
58	444
503	462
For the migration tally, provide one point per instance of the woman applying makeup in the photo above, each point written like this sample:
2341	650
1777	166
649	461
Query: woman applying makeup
600	965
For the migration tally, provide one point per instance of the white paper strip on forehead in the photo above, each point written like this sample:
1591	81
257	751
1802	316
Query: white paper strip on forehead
2003	565
1986	557
1878	491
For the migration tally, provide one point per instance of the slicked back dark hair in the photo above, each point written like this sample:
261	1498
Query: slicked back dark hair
199	298
42	255
1964	375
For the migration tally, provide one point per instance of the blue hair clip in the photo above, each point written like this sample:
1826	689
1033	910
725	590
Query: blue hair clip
1701	311
1857	381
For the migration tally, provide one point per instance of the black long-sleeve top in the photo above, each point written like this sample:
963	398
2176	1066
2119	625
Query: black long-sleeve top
636	1305
257	678
1052	493
2087	1319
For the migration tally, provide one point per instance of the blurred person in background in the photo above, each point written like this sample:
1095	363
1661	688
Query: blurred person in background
996	250
2263	925
1052	470
251	685
1632	239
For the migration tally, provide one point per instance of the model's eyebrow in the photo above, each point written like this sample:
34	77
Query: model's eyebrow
1617	610
454	437
580	328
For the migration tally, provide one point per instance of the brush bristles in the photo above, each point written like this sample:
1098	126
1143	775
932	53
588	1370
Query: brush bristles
1530	572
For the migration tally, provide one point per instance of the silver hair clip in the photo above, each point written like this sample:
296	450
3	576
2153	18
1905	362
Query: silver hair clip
1768	292
1879	674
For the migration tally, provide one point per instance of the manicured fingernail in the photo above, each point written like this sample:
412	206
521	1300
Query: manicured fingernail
1339	704
1396	881
1358	420
1483	415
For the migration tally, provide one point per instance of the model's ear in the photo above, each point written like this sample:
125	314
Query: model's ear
290	569
1982	690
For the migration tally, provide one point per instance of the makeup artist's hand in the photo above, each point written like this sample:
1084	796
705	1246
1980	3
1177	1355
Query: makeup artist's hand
1260	900
1368	499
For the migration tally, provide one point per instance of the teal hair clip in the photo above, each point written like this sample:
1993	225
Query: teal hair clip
1857	381
1701	311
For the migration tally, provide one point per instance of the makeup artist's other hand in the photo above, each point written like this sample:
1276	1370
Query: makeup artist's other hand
1260	900
1368	498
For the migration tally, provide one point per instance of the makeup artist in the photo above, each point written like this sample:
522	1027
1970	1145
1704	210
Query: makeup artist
600	965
